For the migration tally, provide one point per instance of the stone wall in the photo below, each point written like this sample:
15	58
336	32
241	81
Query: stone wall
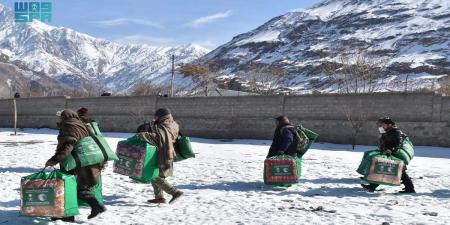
424	117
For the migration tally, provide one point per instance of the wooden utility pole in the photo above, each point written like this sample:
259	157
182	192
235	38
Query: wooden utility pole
173	75
406	83
15	116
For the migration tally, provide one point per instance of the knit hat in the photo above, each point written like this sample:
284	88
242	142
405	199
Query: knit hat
386	120
82	111
282	119
162	112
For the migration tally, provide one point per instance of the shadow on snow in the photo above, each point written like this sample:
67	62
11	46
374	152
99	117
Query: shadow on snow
26	170
322	191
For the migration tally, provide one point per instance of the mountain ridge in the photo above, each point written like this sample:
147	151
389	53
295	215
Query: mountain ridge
413	35
75	58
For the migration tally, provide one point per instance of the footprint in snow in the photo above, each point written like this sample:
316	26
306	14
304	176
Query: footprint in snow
430	213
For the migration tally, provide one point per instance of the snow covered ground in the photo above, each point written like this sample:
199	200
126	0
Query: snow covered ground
224	185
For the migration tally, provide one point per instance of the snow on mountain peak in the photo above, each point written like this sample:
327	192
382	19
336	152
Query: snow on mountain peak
77	59
4	10
413	34
332	8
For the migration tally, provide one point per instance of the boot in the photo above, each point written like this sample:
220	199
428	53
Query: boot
368	187
96	208
97	211
157	201
407	191
65	219
409	186
176	196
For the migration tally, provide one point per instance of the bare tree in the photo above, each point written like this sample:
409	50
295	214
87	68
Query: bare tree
265	80
91	89
356	115
26	88
202	74
182	91
444	88
146	88
77	93
357	72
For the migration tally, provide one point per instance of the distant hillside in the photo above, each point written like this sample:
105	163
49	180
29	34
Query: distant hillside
79	60
414	36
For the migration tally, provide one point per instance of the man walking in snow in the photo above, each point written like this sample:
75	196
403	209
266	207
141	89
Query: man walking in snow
71	130
285	140
163	134
390	141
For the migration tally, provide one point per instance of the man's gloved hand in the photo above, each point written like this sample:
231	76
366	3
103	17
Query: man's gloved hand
50	163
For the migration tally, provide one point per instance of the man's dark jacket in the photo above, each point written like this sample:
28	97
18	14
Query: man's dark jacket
284	141
391	140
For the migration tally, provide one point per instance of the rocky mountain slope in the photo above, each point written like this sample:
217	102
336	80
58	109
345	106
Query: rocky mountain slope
77	59
16	77
412	35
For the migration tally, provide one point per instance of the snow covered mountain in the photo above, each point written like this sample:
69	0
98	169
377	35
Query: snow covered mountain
15	77
413	34
77	59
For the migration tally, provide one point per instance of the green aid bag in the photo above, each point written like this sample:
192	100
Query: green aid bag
282	170
98	194
94	126
364	166
386	170
101	141
312	136
88	152
137	159
49	194
184	150
406	152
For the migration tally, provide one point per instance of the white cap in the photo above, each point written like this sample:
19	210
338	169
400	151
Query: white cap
58	113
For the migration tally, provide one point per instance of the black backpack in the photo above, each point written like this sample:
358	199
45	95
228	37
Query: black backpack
300	137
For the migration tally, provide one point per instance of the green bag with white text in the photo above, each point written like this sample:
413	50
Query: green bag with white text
137	159
385	169
49	194
364	166
87	152
282	170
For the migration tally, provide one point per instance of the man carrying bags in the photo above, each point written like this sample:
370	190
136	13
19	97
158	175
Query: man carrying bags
393	142
163	134
71	130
